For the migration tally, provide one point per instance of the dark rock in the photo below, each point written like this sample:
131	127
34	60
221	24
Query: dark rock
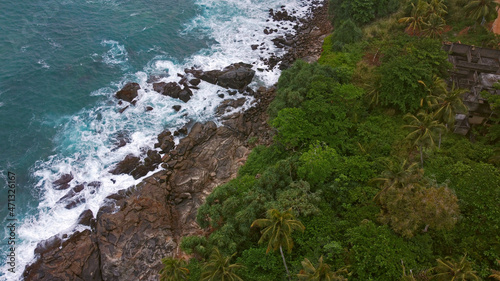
121	138
236	76
126	166
86	218
139	171
123	109
177	107
72	193
210	76
75	202
185	94
166	141
128	92
158	87
221	96
183	81
172	89
63	182
226	104
254	47
77	258
194	81
47	245
149	108
95	184
183	130
152	160
232	93
155	78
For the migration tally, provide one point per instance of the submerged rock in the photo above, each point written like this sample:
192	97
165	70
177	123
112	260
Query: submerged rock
63	182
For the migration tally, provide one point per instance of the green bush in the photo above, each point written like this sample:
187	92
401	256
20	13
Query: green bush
317	164
295	82
260	266
346	33
260	159
406	67
361	11
376	253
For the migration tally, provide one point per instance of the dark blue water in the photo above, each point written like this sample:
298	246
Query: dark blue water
61	62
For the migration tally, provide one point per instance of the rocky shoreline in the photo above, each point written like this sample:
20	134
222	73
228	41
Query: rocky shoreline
139	226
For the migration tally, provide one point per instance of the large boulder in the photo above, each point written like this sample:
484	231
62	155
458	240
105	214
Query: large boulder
173	90
128	92
127	165
235	76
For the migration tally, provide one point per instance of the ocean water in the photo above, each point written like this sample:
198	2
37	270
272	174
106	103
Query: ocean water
61	63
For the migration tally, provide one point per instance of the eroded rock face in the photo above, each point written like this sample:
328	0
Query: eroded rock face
74	259
134	237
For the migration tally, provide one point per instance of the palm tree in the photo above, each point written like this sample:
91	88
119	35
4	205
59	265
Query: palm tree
423	130
438	7
450	270
495	274
219	268
417	16
398	174
446	105
482	10
173	270
322	272
407	277
277	229
434	26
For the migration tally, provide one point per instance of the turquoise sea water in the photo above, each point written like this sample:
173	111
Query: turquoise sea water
61	61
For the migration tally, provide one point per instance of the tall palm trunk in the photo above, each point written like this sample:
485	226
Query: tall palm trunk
421	157
284	262
439	144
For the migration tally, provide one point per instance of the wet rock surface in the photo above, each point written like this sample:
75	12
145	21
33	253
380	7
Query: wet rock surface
128	92
234	76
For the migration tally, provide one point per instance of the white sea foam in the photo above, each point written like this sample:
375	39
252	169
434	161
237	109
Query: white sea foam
116	55
43	63
87	142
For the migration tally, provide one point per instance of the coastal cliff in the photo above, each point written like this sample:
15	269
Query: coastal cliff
138	226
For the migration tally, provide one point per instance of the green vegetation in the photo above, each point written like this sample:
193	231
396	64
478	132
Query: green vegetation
347	163
173	270
219	268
